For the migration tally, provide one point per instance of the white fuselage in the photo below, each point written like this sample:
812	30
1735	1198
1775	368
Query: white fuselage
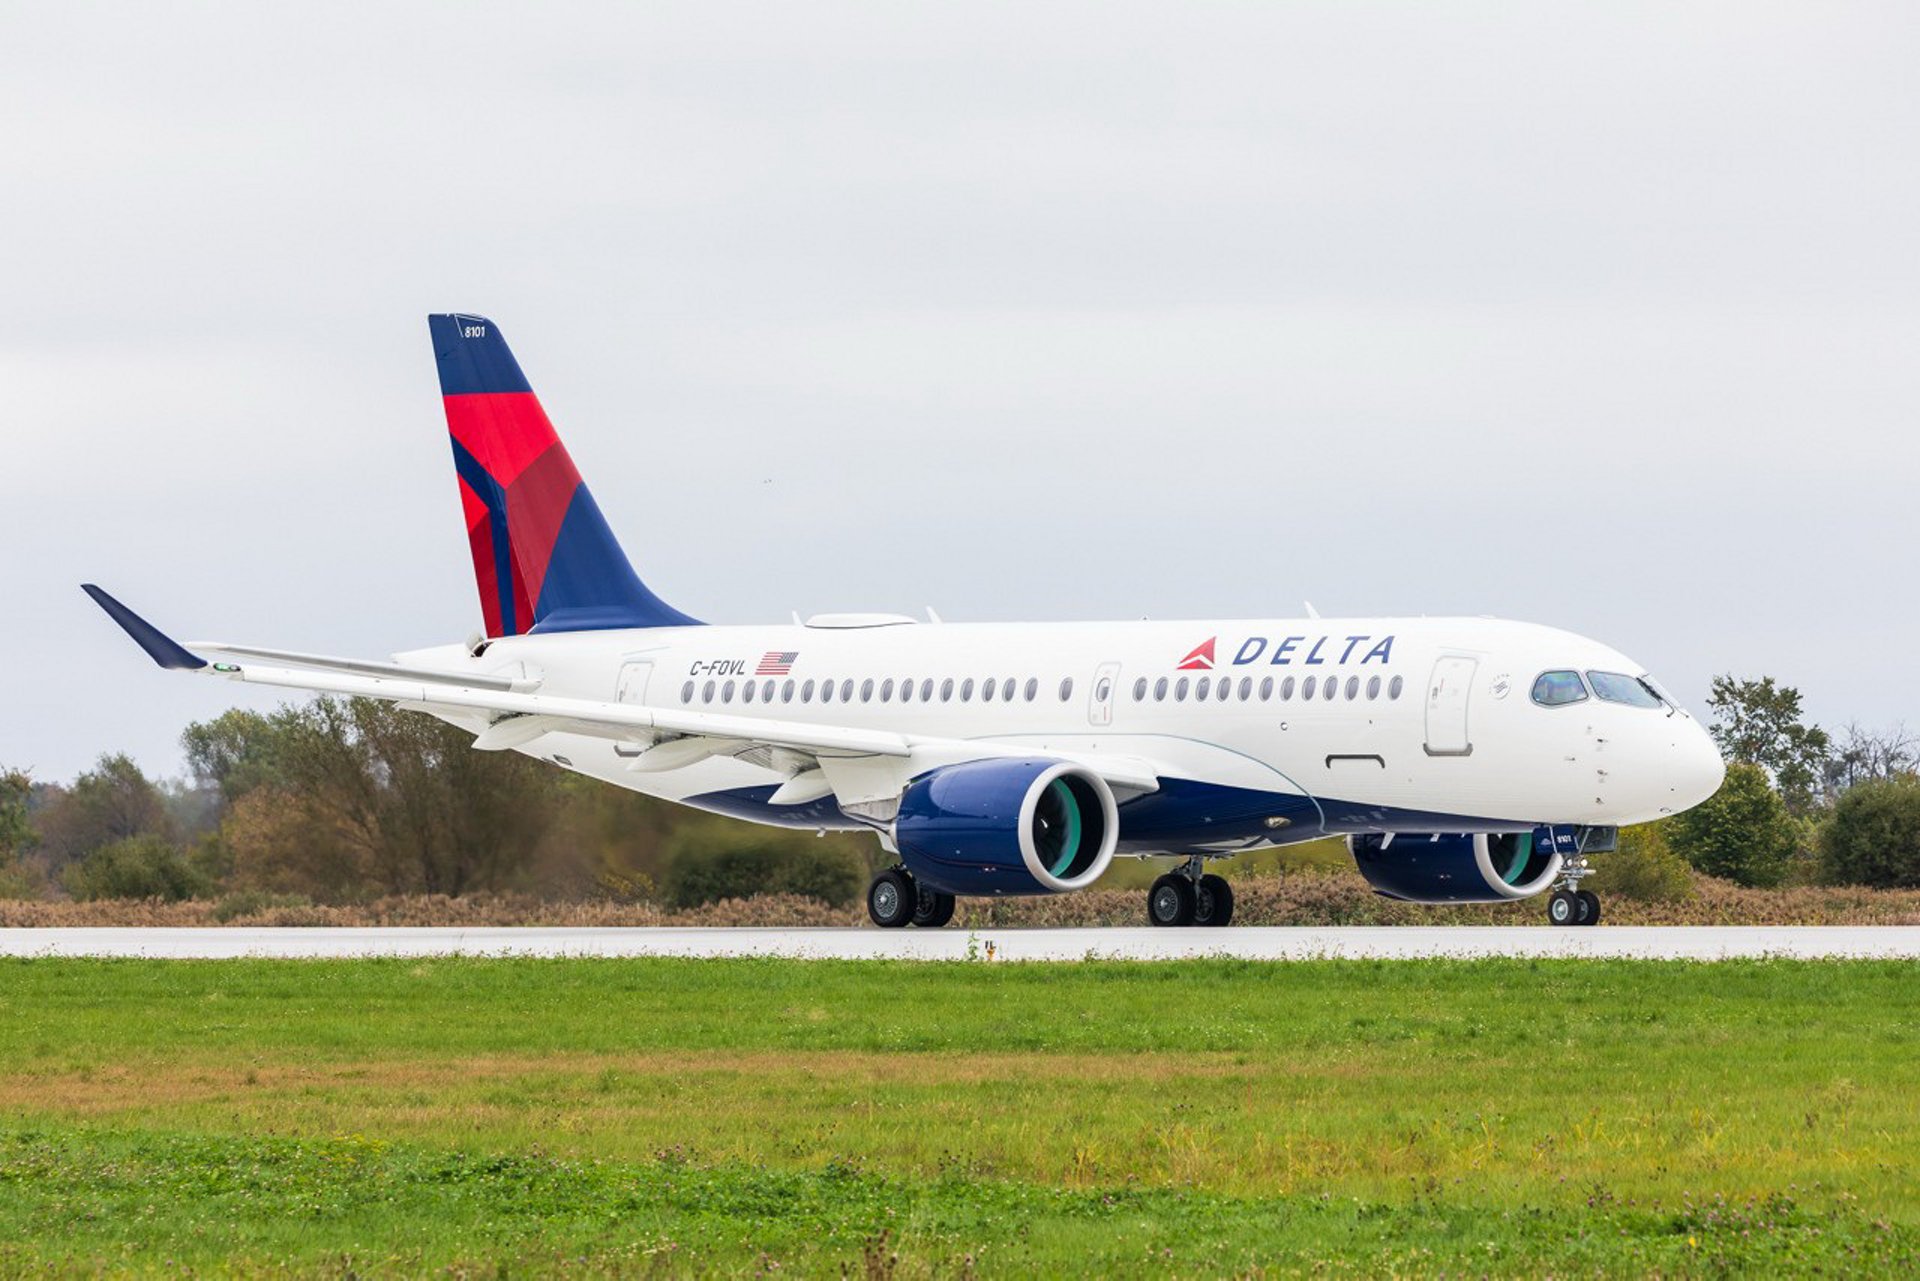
1430	726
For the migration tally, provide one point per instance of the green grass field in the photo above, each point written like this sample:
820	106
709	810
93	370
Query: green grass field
660	1116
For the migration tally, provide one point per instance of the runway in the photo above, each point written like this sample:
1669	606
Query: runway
1701	943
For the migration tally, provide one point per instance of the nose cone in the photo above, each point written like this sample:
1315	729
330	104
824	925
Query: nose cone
1697	768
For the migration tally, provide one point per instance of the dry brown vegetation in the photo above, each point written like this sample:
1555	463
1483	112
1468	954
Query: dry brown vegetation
1299	899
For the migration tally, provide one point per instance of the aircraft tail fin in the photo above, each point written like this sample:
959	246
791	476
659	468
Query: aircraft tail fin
544	557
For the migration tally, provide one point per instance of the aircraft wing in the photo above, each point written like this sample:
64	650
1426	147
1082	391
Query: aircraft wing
508	714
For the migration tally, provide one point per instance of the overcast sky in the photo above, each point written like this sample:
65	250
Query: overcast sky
1605	316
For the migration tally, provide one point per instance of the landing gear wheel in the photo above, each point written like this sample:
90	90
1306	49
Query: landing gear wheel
932	908
891	898
1170	901
1589	907
1212	901
1564	908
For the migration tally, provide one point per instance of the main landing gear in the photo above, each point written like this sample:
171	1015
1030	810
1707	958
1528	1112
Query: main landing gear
1190	896
895	900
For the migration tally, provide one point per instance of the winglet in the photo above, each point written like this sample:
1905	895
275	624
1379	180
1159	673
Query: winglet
160	647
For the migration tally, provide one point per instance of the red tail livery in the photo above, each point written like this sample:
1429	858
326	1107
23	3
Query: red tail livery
543	556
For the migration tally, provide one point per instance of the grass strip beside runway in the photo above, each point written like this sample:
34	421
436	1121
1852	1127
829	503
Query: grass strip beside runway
642	1115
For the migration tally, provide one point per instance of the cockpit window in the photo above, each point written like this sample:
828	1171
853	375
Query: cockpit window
1612	687
1557	689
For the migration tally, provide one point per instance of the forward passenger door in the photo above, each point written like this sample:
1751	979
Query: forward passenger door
1447	696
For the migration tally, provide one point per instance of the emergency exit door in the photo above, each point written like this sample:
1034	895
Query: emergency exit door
1100	697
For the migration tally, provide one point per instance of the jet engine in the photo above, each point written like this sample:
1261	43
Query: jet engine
1476	868
1016	826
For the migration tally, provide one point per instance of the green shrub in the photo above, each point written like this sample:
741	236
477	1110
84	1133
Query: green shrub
1743	832
707	862
20	879
1873	837
1644	868
145	866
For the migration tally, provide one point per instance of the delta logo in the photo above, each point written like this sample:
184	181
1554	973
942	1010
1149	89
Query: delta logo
1200	658
1307	651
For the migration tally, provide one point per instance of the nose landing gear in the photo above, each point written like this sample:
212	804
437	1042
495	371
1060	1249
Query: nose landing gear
1190	896
1571	905
1574	907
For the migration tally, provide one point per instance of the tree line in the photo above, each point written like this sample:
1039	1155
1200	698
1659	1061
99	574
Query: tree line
351	800
1799	805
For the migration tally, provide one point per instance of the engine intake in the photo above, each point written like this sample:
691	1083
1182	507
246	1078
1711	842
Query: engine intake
1476	868
1018	826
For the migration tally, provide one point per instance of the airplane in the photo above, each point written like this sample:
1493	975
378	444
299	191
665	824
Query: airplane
1464	760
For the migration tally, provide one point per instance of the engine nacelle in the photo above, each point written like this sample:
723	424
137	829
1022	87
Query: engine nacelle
1477	868
1013	826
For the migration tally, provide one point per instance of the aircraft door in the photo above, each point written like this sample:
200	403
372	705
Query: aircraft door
633	681
1106	678
632	688
1447	697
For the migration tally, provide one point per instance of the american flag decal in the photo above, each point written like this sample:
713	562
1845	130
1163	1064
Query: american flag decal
777	662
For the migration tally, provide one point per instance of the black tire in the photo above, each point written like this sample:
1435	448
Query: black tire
1170	901
1563	908
1589	907
1213	901
932	908
891	899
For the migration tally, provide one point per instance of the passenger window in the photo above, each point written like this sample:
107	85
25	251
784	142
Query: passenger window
866	690
1331	688
1202	688
1266	689
1160	690
1246	688
926	690
946	690
966	689
766	692
906	690
706	693
1225	688
726	692
1353	688
786	691
1006	690
826	691
1033	688
1373	688
1307	686
886	690
986	690
1066	688
1395	685
1612	687
1557	689
686	692
746	691
846	690
806	692
1180	690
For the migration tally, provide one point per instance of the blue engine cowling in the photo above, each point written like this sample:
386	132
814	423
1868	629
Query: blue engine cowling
1013	826
1478	868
